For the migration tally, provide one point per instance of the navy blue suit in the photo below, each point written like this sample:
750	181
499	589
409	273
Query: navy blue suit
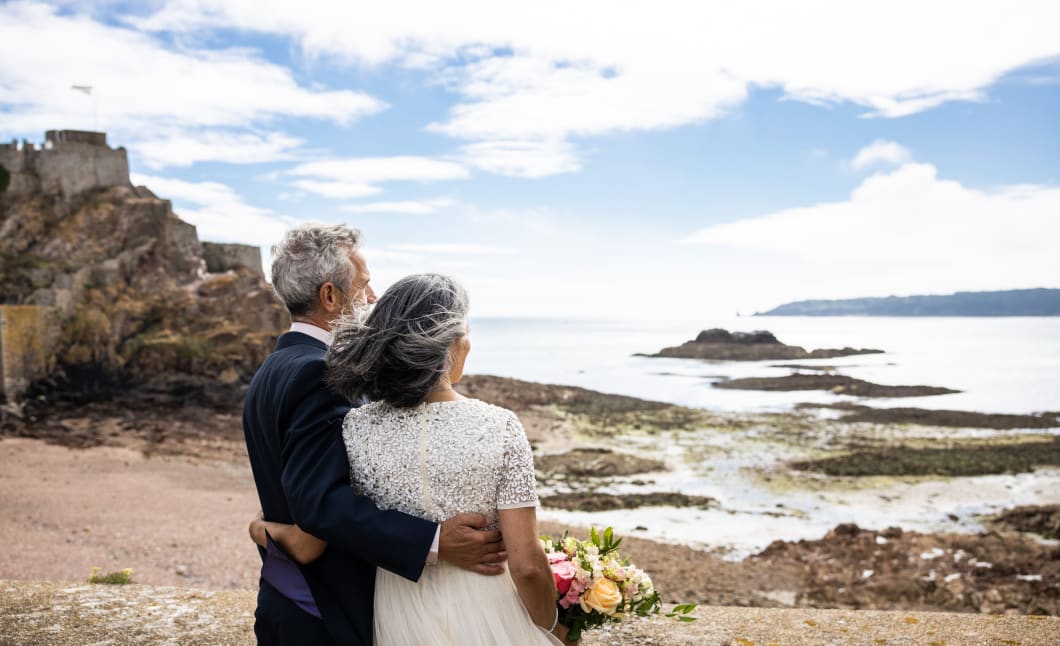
293	428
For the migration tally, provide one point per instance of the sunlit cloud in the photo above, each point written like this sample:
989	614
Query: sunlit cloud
523	158
187	148
458	249
523	75
359	177
405	207
880	152
908	231
141	86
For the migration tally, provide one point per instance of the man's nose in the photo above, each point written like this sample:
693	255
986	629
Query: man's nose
371	295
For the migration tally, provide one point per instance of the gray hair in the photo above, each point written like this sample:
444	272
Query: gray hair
309	256
399	353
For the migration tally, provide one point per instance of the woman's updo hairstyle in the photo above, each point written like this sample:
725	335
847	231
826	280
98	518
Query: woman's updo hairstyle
401	350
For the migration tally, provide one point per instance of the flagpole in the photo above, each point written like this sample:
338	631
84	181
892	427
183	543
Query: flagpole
87	91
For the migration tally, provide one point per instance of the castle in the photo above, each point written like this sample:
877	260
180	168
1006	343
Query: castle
69	162
53	252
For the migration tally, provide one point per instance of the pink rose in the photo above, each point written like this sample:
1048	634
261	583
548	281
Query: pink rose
556	557
573	595
563	572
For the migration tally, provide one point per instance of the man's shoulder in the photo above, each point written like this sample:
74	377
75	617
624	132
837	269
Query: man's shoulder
296	366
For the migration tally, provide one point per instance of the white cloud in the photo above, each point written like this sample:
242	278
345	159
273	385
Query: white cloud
218	212
338	189
458	249
554	71
140	85
186	148
880	152
522	158
408	207
352	178
907	231
461	249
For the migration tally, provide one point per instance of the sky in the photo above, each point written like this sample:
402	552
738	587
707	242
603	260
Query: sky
663	160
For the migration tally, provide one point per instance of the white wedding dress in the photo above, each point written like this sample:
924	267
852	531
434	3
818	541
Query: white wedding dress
434	461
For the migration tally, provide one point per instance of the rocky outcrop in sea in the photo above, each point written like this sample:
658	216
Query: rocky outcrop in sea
721	345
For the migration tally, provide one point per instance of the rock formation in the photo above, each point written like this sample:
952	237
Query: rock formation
722	345
133	294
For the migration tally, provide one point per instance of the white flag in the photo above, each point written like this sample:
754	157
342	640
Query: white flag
87	89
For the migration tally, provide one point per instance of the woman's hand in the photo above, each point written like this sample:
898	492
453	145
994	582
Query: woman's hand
302	547
257	529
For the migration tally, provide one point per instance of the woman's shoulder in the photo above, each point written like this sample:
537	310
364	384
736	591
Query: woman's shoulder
368	411
478	407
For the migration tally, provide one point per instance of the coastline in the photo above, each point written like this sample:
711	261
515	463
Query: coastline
166	491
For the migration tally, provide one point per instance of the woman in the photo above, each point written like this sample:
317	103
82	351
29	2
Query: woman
424	449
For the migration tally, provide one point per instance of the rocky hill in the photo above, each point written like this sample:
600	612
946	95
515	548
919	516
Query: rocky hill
132	297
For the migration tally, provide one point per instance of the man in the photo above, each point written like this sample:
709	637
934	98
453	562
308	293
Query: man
292	425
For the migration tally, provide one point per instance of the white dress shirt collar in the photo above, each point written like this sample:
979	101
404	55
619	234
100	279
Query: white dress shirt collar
318	333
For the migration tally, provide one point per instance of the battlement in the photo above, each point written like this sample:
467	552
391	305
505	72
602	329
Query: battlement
55	137
69	162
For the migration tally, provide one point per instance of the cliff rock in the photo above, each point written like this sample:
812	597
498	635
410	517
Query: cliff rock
137	298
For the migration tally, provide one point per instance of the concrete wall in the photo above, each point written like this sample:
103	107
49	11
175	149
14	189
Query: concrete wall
28	335
221	257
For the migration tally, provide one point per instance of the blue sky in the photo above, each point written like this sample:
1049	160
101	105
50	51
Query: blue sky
663	160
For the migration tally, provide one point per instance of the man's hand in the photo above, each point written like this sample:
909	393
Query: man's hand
463	543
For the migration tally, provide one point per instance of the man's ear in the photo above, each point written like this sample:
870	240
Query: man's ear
328	297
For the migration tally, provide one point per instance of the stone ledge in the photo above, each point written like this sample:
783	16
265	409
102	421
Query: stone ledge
64	614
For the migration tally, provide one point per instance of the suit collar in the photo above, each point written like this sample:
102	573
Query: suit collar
288	339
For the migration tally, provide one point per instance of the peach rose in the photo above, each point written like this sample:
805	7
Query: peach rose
603	597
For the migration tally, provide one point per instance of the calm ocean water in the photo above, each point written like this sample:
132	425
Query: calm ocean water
1001	365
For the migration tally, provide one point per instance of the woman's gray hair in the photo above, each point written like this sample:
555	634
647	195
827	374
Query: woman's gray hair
399	353
309	256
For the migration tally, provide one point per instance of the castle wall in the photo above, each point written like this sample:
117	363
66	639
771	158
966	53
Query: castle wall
28	335
222	257
70	162
21	163
72	167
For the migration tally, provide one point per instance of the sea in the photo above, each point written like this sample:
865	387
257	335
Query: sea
999	365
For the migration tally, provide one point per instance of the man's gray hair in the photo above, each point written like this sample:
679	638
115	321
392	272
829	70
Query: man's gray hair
399	353
309	256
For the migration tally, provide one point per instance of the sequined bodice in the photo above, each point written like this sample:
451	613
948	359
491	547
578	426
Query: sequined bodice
437	460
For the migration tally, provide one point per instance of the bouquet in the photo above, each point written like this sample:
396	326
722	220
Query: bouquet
595	585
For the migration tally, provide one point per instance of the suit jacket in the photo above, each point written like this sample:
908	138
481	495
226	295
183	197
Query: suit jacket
293	427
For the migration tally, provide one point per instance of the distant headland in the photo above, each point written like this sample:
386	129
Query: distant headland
1013	302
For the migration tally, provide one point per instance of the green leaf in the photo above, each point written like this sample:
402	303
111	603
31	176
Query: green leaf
609	535
594	536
